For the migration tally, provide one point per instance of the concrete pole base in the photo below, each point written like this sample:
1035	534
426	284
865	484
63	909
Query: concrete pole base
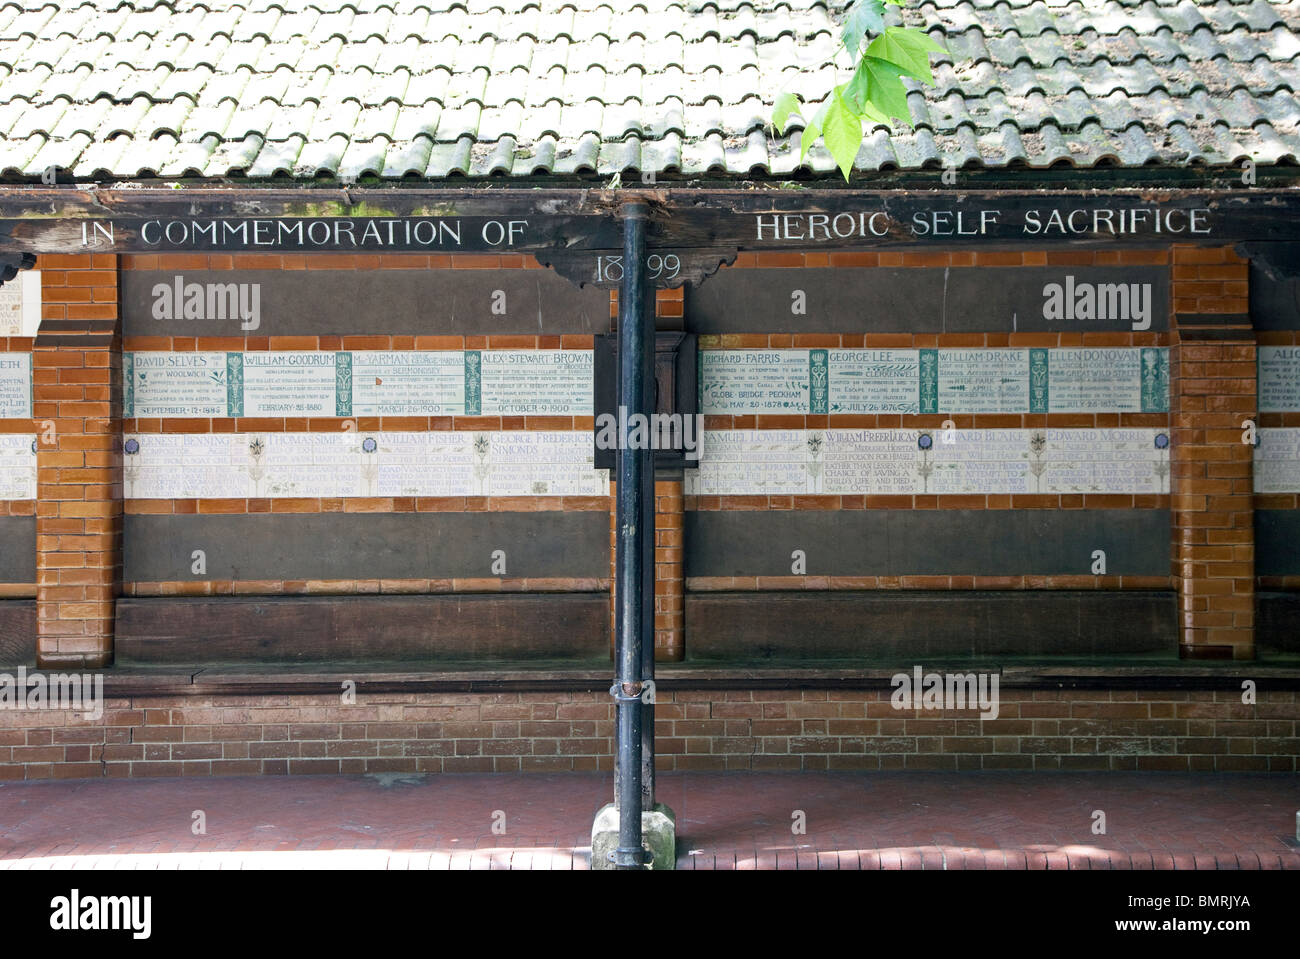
658	834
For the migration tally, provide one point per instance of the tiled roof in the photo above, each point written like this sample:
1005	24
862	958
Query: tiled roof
439	88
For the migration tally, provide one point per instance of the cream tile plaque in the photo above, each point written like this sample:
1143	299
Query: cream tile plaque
1277	461
17	466
1279	379
908	462
869	461
15	385
976	461
544	464
1105	461
424	464
771	462
351	464
20	304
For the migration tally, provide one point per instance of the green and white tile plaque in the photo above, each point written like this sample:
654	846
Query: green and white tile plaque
755	382
983	381
290	384
361	383
536	382
874	381
408	383
1120	380
175	384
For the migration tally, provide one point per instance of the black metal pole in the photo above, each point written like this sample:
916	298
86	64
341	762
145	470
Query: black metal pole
648	577
630	563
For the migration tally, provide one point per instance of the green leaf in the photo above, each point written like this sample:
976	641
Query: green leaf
908	48
876	85
843	133
813	129
786	103
865	16
856	95
807	138
820	117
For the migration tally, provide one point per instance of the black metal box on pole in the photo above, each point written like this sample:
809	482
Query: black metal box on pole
676	391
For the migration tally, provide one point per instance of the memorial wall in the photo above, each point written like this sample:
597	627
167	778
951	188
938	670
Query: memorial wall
980	448
364	428
969	451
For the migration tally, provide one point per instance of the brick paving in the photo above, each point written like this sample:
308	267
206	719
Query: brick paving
890	820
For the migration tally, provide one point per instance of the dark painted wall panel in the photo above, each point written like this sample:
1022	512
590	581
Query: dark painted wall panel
955	300
914	626
341	629
366	545
17	549
1277	542
356	302
1274	301
927	542
1277	629
17	632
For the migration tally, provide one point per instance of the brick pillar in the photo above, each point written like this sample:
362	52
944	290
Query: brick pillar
76	367
1212	391
670	583
670	522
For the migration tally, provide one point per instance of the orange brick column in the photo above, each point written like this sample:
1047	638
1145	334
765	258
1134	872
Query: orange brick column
1212	391
76	367
670	522
670	583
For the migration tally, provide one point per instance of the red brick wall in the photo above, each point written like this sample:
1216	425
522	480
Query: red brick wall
670	588
76	370
1212	386
696	730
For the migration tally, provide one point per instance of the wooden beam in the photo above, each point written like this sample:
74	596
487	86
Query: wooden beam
572	222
